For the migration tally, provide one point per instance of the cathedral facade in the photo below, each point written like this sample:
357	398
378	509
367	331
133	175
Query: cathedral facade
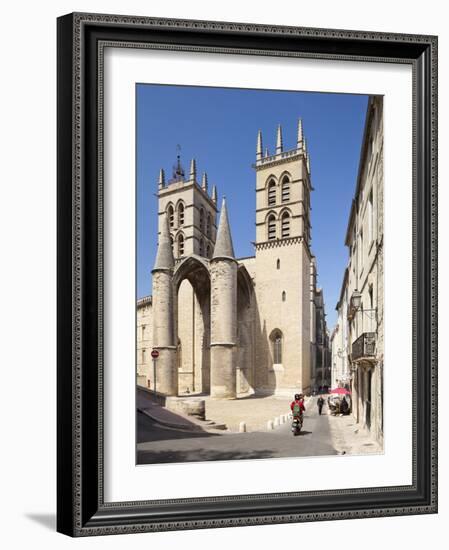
227	326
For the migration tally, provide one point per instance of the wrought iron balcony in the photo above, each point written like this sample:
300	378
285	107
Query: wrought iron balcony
364	347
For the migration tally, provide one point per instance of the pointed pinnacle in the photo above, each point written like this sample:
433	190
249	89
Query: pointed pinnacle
161	181
192	170
214	194
204	182
164	256
267	152
300	134
223	244
259	145
279	146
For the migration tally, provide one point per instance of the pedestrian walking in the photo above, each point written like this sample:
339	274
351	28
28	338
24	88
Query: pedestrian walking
320	403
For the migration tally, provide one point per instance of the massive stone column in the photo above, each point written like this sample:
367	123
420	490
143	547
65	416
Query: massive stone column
223	271
163	315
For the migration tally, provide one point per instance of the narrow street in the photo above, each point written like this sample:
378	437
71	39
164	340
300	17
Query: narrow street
159	444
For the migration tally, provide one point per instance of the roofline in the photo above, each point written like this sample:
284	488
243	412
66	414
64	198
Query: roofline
362	160
144	301
343	284
246	258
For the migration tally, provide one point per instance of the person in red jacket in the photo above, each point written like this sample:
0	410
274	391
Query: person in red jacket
297	406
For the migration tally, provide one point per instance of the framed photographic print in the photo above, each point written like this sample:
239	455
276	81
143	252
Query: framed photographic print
247	288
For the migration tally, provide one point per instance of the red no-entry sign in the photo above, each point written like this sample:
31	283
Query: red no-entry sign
154	354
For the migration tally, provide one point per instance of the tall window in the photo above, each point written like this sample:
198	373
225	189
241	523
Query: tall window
370	294
180	245
361	251
285	189
271	227
208	224
143	332
144	355
284	296
272	193
171	215
278	264
208	251
202	219
201	247
370	217
285	231
180	214
276	342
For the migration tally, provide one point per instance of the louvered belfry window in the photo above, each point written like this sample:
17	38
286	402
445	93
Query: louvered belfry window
271	228
285	225
271	193
180	245
285	189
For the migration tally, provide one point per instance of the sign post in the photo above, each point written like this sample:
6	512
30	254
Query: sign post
154	355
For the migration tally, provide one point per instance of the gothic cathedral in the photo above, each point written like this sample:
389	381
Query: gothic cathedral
226	326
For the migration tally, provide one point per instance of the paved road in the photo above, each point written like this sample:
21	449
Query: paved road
157	444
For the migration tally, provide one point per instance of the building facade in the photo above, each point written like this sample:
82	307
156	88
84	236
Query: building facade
361	305
228	326
341	373
321	378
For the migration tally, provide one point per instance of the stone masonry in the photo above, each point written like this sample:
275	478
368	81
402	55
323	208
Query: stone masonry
224	326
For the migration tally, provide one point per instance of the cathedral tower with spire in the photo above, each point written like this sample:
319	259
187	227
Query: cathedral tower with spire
282	263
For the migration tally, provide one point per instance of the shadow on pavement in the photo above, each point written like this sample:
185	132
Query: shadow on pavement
304	432
147	457
148	430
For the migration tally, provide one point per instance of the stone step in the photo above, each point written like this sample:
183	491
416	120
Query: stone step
217	426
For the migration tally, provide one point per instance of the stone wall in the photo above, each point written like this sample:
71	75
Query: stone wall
144	340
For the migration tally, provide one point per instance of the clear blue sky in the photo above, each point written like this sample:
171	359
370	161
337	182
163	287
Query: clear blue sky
218	127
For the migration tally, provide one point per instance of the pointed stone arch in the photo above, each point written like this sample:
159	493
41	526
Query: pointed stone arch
270	178
191	289
188	268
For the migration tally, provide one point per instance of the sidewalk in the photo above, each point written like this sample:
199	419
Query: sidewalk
349	438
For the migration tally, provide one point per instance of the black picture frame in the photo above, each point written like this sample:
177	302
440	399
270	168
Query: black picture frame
81	510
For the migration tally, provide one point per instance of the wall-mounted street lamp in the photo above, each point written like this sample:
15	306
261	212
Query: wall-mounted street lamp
356	300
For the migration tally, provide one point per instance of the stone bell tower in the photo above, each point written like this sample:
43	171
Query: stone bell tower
283	233
190	209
